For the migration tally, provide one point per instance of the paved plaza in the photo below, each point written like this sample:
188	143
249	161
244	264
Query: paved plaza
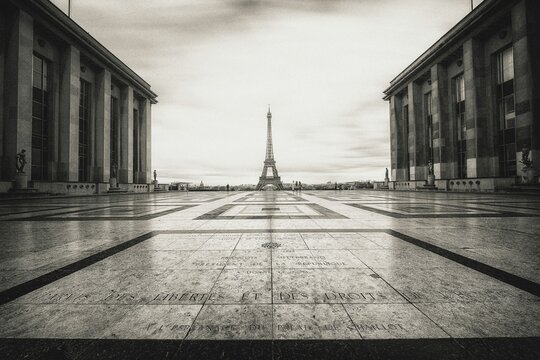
271	275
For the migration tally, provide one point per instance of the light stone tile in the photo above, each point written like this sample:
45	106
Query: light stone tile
510	318
331	286
289	240
60	320
201	260
144	259
313	321
243	286
155	322
449	284
250	241
249	259
402	258
233	322
221	242
392	321
314	259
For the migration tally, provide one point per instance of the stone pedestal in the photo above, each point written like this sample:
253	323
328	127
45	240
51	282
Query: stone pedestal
431	180
529	175
21	181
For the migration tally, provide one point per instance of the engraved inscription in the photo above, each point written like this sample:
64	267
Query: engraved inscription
186	297
329	296
379	327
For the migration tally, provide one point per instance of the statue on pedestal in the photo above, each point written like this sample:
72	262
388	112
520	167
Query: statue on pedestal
114	170
155	182
431	174
113	183
21	179
528	169
525	151
20	161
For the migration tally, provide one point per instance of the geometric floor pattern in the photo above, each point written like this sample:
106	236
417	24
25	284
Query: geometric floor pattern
271	275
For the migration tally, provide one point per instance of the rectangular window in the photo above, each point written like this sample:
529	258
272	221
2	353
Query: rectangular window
461	126
84	130
40	118
506	111
115	132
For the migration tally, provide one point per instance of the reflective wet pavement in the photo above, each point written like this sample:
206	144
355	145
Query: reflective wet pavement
368	274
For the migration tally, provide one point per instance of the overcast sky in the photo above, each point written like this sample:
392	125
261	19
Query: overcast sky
216	65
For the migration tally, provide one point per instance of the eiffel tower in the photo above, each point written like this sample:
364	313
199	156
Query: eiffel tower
269	162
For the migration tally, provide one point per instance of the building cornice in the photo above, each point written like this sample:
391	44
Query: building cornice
465	26
83	39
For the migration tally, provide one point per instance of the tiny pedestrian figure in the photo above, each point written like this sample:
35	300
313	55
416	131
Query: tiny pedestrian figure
155	176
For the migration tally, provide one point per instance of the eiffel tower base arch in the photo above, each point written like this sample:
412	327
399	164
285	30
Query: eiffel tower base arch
276	182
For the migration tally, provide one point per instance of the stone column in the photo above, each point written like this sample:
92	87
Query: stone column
54	140
125	171
473	73
146	141
103	125
442	152
3	33
523	85
18	93
404	128
417	133
401	140
70	89
533	37
393	138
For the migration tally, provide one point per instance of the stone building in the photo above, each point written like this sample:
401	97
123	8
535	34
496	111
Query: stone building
471	102
80	113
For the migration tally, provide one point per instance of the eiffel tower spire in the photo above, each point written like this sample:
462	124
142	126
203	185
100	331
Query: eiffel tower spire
269	162
269	146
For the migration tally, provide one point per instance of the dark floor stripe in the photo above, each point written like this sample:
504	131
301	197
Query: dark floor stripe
402	349
511	279
486	214
227	231
43	280
82	217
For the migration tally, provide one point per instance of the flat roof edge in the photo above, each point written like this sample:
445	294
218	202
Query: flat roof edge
442	44
58	17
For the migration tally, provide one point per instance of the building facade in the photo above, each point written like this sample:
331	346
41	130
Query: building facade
471	103
80	113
